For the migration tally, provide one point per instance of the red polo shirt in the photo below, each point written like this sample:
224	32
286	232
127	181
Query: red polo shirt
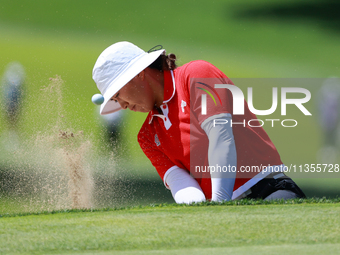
169	137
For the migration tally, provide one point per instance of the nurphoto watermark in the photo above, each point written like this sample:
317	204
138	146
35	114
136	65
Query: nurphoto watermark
301	117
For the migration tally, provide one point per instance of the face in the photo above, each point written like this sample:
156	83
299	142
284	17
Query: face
137	95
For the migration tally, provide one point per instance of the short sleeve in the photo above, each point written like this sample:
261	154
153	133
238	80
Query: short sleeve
201	77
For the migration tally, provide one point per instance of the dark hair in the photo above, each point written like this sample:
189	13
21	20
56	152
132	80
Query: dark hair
164	62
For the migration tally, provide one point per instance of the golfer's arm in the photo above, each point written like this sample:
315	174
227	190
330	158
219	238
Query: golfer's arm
184	188
222	153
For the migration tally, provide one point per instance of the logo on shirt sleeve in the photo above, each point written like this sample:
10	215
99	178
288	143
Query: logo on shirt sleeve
183	104
204	96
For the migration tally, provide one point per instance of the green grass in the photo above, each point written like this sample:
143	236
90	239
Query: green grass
65	38
203	25
257	250
252	225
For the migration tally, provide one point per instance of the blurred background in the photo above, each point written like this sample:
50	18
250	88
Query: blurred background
48	49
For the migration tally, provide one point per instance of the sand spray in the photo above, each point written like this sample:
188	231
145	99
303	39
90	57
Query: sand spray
51	169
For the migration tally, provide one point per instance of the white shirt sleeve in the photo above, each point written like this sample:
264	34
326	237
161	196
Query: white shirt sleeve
184	188
221	155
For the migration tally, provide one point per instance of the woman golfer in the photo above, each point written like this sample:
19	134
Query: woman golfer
200	148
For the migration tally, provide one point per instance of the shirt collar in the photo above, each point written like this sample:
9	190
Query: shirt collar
169	92
169	86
